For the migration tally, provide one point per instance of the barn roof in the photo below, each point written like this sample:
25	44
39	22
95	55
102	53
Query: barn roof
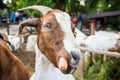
101	15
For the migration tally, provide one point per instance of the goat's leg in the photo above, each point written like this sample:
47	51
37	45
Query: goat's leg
93	59
104	57
87	54
101	58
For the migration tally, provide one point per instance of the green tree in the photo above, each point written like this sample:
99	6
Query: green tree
103	5
115	4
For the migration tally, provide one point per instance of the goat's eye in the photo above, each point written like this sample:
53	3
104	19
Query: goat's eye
48	26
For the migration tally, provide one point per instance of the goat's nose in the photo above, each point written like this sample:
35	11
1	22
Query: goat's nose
76	56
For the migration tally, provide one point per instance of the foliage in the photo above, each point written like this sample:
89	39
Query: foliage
17	4
65	5
109	70
114	4
105	6
0	12
90	6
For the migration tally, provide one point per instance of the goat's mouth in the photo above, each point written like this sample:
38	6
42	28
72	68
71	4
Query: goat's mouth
64	66
68	61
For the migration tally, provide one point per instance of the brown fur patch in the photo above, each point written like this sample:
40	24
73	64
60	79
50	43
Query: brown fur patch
11	68
116	48
50	41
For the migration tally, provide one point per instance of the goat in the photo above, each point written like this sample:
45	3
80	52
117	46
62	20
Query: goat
11	68
15	42
51	71
55	42
31	41
102	40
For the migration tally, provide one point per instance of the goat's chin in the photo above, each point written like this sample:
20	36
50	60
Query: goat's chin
69	70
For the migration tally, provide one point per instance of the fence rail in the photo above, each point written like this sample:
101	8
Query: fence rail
114	54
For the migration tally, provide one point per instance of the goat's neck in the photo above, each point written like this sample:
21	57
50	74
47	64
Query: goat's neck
44	69
41	60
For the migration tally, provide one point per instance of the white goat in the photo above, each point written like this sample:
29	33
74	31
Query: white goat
15	41
102	40
80	37
31	41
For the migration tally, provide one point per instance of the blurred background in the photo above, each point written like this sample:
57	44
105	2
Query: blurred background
105	14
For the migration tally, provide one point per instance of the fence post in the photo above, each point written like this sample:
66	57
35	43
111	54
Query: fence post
80	68
7	26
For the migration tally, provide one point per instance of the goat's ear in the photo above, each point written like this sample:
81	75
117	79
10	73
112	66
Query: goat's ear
34	22
73	27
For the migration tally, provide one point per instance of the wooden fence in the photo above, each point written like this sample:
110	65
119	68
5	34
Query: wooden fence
80	70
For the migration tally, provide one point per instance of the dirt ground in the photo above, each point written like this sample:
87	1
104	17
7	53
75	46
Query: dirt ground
28	58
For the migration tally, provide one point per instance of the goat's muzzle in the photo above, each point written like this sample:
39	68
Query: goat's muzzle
69	65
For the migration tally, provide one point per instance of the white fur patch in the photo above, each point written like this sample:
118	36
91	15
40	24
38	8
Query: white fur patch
44	69
101	40
65	23
80	36
31	41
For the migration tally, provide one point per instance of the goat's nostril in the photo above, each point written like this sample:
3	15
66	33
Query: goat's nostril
75	55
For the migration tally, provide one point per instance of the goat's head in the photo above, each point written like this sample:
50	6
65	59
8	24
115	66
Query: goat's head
55	37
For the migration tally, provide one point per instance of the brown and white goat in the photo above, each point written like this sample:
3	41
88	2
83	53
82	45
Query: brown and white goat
11	68
55	39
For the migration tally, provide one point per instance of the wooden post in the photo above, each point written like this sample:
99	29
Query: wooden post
7	26
92	26
80	68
